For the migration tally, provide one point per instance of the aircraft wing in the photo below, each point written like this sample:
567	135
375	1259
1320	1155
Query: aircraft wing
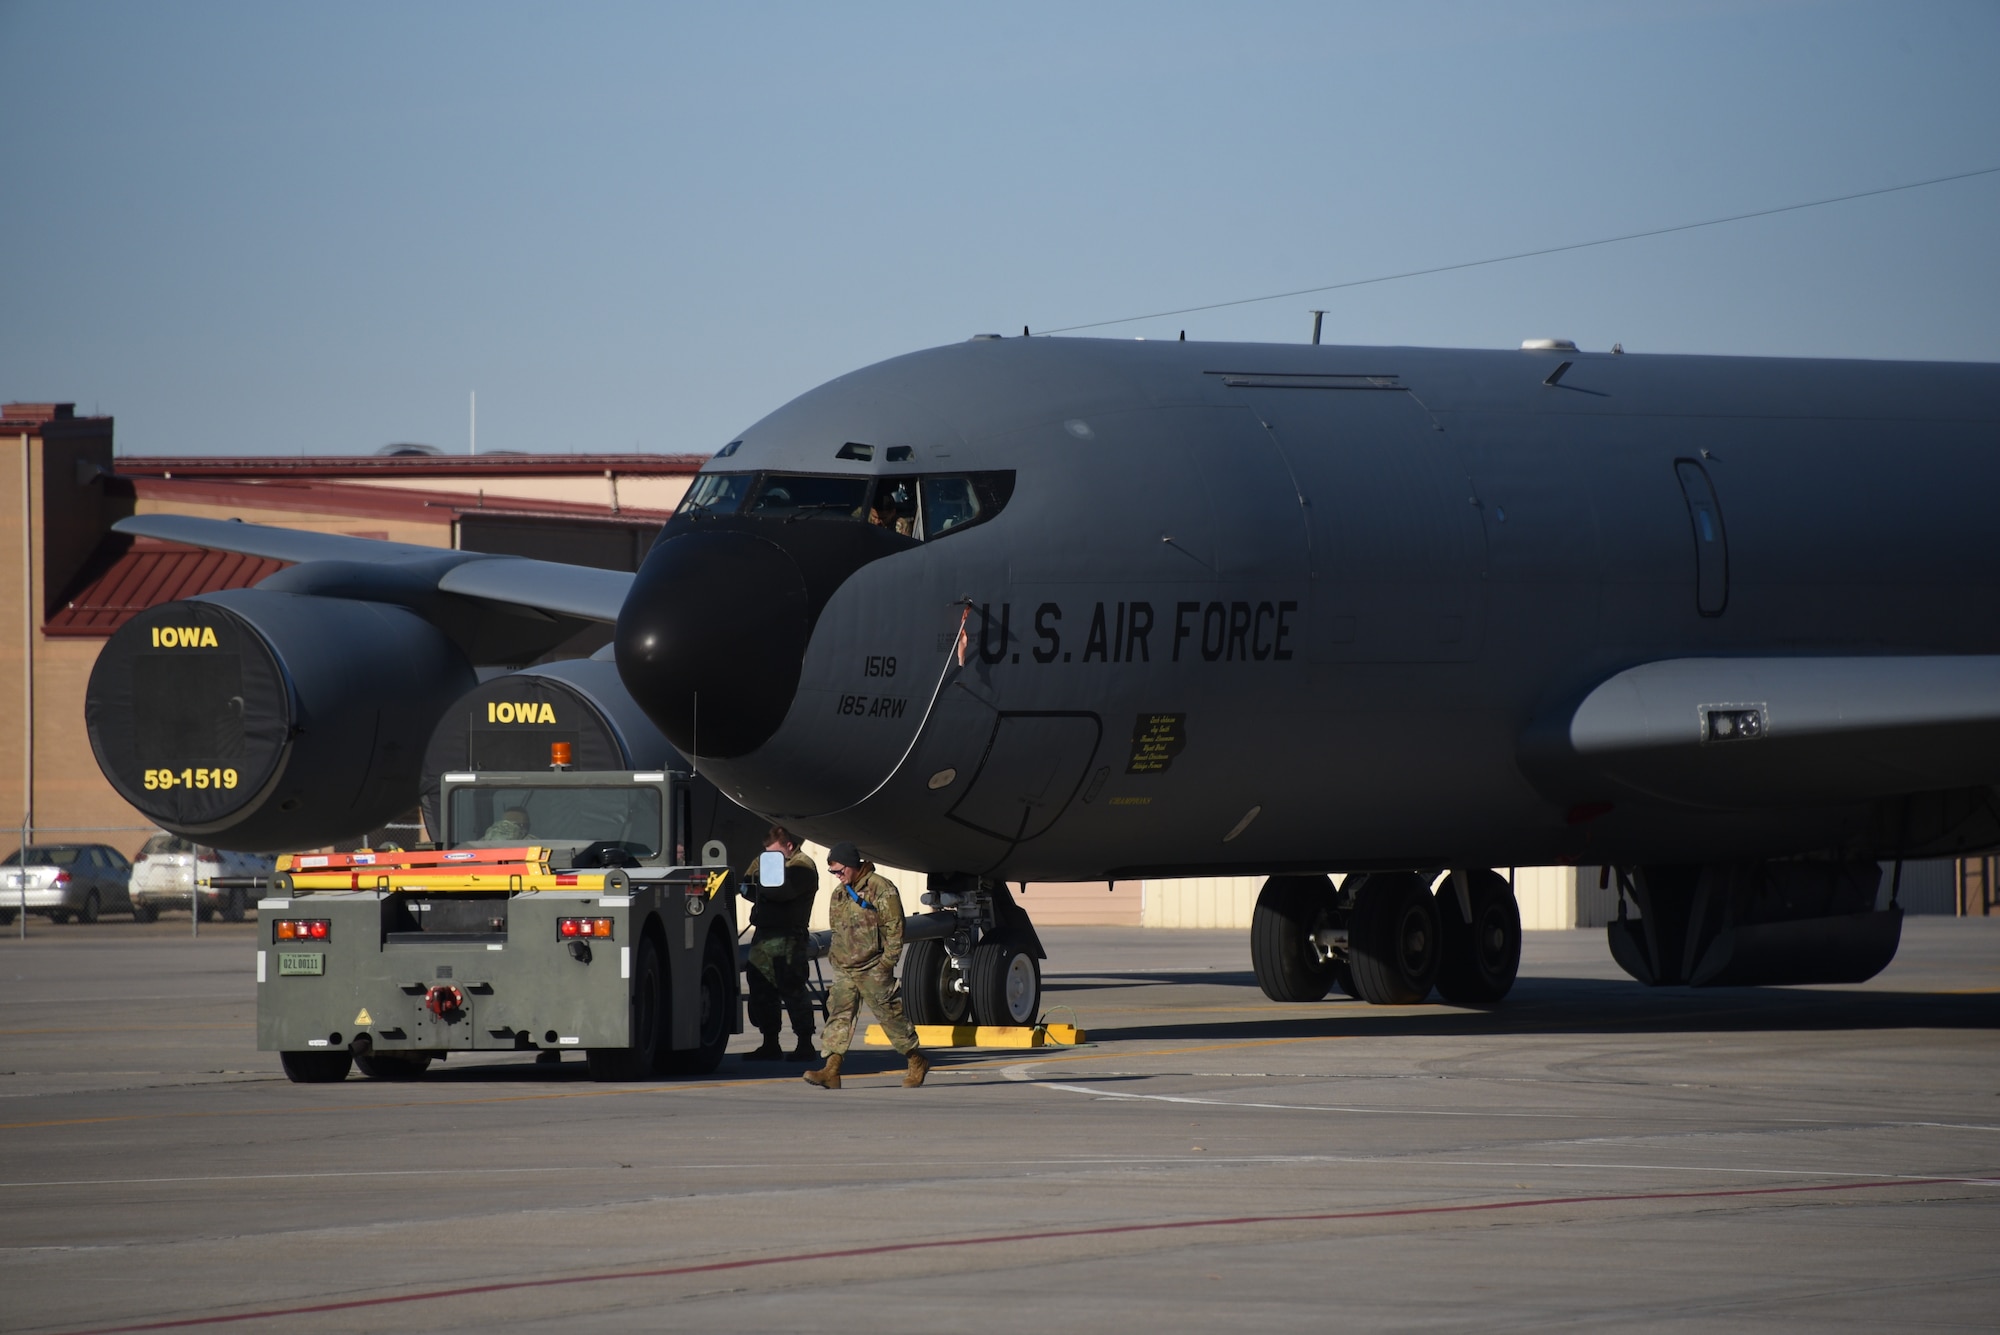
546	586
1777	731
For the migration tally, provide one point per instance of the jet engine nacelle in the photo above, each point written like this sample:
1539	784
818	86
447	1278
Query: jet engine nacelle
508	722
259	720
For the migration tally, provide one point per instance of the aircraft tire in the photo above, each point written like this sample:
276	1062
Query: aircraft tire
1393	939
928	994
316	1068
712	1029
1290	909
651	1021
393	1065
1006	983
1343	978
1479	959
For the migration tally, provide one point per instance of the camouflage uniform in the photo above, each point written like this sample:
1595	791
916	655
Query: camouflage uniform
779	949
505	829
867	921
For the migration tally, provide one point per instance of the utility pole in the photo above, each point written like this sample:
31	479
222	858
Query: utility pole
1316	319
27	670
474	449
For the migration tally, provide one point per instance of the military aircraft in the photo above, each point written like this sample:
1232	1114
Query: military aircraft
1074	609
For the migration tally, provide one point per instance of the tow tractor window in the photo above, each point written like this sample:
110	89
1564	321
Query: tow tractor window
484	817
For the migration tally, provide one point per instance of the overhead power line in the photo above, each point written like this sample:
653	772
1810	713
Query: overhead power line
1531	254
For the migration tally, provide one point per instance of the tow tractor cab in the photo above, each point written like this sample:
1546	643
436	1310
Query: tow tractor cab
559	910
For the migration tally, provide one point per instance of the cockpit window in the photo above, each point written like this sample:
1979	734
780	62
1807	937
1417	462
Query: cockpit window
916	507
956	502
717	493
803	496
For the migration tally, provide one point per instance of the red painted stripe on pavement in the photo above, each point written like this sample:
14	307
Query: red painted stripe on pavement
996	1239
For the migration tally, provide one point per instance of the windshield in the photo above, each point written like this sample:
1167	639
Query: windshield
716	493
483	817
804	496
916	507
43	857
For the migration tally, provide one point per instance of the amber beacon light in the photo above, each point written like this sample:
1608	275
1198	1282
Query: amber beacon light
558	755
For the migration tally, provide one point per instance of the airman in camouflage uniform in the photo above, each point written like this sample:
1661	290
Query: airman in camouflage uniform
867	919
780	950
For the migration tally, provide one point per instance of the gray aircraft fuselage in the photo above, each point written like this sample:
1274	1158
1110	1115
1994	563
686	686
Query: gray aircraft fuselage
1252	608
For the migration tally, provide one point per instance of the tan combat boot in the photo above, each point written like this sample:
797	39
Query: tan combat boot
828	1076
920	1066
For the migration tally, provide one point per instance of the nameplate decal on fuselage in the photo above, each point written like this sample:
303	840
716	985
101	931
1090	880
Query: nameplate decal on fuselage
1156	740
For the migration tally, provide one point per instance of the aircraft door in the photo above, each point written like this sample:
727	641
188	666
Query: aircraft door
1711	544
1033	766
1396	536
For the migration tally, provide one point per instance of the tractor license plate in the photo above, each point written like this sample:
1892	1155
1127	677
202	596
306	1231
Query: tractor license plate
301	962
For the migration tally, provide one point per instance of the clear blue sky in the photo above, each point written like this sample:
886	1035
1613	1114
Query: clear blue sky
266	228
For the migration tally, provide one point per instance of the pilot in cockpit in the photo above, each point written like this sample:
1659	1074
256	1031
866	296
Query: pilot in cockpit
889	512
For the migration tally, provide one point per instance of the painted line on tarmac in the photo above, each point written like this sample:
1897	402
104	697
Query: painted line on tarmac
617	1092
285	1177
1021	1072
103	1000
130	1029
1000	1240
1302	1107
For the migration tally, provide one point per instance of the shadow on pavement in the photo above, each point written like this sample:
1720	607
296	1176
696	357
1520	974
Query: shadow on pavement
1588	1006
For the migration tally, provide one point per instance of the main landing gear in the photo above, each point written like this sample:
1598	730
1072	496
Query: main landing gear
1387	937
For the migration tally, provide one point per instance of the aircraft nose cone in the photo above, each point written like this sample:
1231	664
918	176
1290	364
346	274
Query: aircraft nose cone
711	638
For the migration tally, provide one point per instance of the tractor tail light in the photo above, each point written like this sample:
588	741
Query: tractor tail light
302	929
572	928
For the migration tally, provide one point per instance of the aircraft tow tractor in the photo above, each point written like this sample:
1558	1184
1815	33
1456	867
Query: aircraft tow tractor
597	934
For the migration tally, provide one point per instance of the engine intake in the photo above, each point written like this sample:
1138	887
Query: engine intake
260	720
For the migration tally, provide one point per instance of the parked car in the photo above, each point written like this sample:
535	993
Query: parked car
66	881
170	869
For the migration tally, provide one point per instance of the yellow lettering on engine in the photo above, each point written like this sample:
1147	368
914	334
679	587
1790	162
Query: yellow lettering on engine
548	714
208	638
490	716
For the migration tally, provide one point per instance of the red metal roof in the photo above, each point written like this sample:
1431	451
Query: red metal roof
321	496
125	576
430	465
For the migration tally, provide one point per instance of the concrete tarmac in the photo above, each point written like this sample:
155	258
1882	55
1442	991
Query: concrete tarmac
1588	1155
